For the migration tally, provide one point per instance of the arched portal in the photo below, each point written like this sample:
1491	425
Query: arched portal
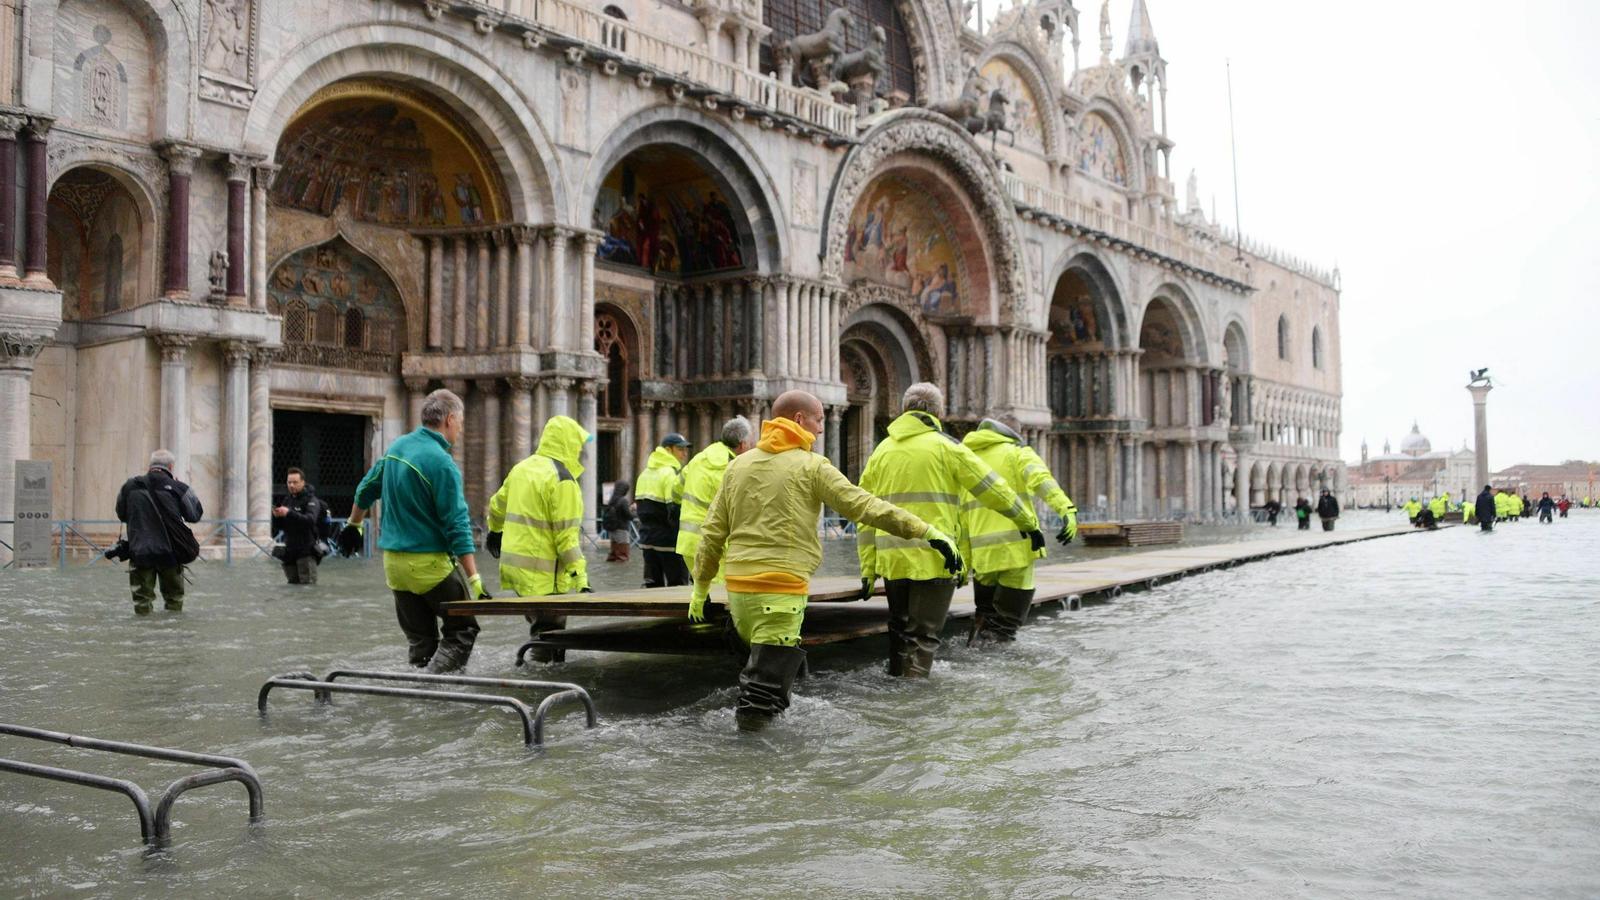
1175	400
101	245
340	310
1087	378
616	339
880	355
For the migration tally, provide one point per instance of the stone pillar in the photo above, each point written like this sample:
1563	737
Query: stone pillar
175	398
481	339
762	293
18	350
587	413
520	422
591	244
180	168
1219	491
504	250
9	126
808	332
458	293
494	469
260	437
238	263
830	338
1113	475
522	299
1130	491
416	393
791	329
436	293
263	175
38	222
1191	469
1162	506
835	436
1480	433
557	309
643	431
560	393
718	332
236	425
663	427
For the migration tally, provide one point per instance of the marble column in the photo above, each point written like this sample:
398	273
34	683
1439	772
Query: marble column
435	293
717	333
590	245
1219	491
1130	491
238	264
175	398
494	469
1163	506
504	250
260	437
683	336
762	294
520	421
558	311
458	293
9	127
1241	487
484	295
587	412
18	352
830	338
236	428
791	329
180	168
1480	433
836	436
1113	476
643	431
262	175
522	298
38	222
560	393
416	393
662	429
1191	468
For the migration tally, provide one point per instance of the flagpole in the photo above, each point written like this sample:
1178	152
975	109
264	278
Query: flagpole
1233	141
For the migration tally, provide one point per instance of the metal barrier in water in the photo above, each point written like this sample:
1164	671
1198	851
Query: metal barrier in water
532	719
155	826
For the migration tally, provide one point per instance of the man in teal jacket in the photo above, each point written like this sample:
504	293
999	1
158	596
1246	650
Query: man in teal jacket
425	535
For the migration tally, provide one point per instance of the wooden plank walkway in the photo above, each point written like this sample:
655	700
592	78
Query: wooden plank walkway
658	618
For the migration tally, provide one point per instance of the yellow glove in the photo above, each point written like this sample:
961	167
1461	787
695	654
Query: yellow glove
475	588
697	603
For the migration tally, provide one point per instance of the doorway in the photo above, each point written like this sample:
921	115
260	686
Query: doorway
330	448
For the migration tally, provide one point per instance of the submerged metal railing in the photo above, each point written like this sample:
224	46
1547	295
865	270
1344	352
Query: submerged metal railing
155	825
532	719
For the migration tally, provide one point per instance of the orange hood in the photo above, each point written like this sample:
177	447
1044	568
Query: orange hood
778	435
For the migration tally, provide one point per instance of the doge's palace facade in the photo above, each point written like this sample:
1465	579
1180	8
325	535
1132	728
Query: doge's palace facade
258	232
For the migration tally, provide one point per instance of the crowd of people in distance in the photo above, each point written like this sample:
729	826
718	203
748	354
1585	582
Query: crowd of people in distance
1491	505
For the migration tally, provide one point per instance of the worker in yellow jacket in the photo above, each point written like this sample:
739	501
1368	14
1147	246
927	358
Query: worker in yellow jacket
1440	505
535	525
701	478
1001	557
658	496
1413	508
926	471
762	530
1502	505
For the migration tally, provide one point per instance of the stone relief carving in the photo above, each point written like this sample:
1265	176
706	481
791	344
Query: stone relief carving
921	132
575	107
102	83
65	152
803	186
228	57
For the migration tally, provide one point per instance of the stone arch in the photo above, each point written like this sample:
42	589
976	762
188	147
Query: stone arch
1191	321
1127	137
331	286
881	353
95	211
1236	347
494	108
400	261
733	164
911	138
616	339
1111	302
1033	75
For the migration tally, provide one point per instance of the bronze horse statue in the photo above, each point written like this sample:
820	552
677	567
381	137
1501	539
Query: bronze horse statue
816	49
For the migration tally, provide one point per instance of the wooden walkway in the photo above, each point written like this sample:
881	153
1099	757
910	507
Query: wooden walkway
656	621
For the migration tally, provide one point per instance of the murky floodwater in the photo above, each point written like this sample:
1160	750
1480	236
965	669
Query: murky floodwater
1413	716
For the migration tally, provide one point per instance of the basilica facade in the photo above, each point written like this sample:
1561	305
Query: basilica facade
258	232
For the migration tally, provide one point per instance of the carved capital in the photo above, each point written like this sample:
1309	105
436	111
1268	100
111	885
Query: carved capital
264	172
521	384
237	353
174	347
39	127
10	126
559	383
180	157
489	386
526	234
648	407
238	167
417	385
588	389
560	234
21	346
262	357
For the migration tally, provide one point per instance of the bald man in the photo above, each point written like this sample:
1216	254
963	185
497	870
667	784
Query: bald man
762	530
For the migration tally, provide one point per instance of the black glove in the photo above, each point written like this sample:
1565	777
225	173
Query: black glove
952	562
1036	538
350	541
1064	536
492	544
867	584
586	590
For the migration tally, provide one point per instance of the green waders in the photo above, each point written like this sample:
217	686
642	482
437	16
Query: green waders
144	580
1003	600
770	624
917	613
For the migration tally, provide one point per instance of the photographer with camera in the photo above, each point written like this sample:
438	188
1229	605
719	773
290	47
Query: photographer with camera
156	505
303	516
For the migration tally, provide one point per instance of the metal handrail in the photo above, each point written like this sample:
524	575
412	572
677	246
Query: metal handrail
564	690
154	828
532	735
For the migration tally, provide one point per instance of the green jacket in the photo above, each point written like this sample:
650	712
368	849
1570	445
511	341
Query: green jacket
926	472
539	508
424	510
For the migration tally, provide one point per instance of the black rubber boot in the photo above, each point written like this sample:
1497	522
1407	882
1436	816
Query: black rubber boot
983	599
765	683
917	613
1010	614
538	624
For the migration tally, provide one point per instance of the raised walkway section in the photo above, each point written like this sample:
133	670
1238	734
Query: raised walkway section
656	621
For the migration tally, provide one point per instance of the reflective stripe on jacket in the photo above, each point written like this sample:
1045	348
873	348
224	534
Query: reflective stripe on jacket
657	495
701	477
990	540
539	510
925	471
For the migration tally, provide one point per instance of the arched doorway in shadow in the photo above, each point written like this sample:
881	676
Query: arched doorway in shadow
880	355
101	243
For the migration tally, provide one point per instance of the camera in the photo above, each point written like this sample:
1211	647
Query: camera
119	550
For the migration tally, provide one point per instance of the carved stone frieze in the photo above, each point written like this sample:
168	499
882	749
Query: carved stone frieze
21	346
67	150
917	131
228	30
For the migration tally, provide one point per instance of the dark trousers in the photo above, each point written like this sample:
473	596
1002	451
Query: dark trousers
663	568
1327	524
917	613
301	571
144	580
423	621
1486	524
1305	524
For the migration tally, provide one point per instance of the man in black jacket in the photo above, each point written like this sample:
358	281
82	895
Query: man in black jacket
1327	509
154	505
1484	507
302	514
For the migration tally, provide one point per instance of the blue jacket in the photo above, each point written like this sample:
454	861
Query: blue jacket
424	509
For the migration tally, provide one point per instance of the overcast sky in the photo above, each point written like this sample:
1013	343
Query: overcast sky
1443	154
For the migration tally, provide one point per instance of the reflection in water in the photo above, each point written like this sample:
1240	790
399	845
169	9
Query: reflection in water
1412	715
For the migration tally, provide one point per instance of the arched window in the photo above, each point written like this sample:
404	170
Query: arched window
326	323
296	327
614	37
1316	348
608	343
1283	337
353	330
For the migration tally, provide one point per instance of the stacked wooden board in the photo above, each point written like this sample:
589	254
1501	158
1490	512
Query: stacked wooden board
1130	534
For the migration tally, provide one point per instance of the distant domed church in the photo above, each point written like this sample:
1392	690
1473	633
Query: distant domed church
1391	479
